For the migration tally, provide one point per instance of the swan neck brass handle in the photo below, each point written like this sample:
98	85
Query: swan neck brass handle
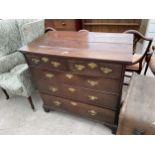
57	103
35	60
92	112
92	65
69	76
55	64
79	67
92	82
45	59
106	70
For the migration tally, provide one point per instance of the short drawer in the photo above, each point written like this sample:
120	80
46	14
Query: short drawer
93	112
97	83
94	68
64	24
90	96
47	62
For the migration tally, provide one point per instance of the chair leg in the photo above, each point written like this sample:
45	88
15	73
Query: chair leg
147	65
31	103
6	94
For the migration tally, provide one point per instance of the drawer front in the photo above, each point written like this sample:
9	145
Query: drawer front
97	83
85	95
64	24
93	112
47	62
93	68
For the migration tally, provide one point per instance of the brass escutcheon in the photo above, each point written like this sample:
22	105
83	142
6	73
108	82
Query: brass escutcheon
49	75
45	59
69	76
92	112
92	65
79	67
92	97
72	89
53	89
92	83
55	64
73	103
57	103
106	70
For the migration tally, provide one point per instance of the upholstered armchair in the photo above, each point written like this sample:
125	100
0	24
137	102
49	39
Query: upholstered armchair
15	77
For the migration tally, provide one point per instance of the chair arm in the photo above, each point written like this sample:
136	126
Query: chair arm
24	77
9	61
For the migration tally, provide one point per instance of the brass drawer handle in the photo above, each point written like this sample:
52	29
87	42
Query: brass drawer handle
72	89
57	103
49	75
55	64
79	67
92	65
92	82
35	60
53	89
92	112
69	76
45	59
106	70
92	97
73	103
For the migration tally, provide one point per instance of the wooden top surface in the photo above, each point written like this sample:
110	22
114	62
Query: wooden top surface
87	45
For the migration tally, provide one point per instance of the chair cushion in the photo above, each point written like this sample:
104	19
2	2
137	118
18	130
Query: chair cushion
152	64
11	83
135	67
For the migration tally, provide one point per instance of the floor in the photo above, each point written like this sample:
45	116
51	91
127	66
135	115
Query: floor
16	117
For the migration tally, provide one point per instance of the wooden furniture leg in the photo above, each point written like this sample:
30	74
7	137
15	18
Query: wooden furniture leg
6	94
31	103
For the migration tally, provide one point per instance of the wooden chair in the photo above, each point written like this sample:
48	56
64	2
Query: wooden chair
139	60
152	61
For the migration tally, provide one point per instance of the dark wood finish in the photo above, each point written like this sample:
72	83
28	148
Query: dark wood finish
93	46
6	94
82	109
64	24
92	82
31	103
111	25
67	65
138	63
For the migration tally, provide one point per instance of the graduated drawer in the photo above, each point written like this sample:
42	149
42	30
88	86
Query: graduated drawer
93	112
48	62
97	83
96	68
90	96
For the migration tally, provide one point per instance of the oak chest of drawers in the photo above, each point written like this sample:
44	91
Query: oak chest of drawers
80	72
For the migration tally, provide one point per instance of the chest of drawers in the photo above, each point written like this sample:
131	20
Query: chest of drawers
80	72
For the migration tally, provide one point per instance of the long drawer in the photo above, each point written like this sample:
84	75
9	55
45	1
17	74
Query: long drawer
93	112
90	96
97	83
